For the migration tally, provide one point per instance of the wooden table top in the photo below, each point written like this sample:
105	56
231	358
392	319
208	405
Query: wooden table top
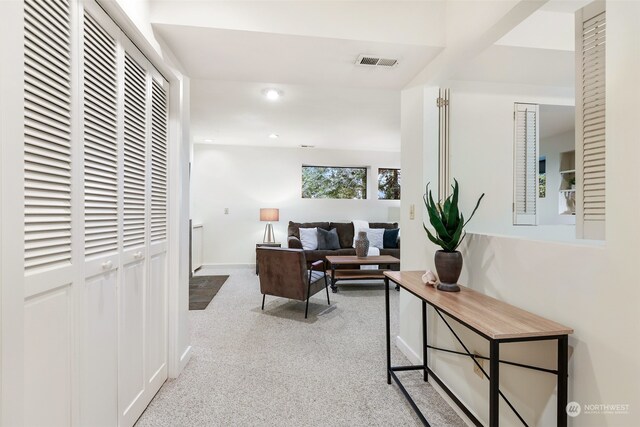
490	317
369	260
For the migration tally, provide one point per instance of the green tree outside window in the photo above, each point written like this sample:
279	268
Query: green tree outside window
389	184
325	182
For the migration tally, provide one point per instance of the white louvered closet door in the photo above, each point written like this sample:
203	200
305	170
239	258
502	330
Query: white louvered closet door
156	303
98	304
95	219
526	149
131	299
48	215
590	123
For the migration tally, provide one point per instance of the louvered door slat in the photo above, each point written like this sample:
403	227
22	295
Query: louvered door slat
47	132
41	37
526	164
99	90
39	41
41	73
159	139
100	140
135	137
46	114
593	103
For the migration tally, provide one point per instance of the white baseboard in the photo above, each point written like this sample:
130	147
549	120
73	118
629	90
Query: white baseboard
417	360
408	351
184	359
225	266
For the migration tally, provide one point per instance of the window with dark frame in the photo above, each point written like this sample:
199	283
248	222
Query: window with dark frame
334	182
389	184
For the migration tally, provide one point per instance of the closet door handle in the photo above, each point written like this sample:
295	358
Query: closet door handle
138	255
107	265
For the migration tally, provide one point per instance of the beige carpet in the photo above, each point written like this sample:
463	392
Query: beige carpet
274	368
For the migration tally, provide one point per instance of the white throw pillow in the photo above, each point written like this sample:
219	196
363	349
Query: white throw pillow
358	225
309	238
375	236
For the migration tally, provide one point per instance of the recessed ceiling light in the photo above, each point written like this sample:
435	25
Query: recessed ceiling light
274	136
272	94
208	140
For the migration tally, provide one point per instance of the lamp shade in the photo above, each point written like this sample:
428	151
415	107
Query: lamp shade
269	214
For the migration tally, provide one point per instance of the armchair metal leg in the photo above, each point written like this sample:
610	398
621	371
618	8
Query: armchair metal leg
263	297
326	288
306	309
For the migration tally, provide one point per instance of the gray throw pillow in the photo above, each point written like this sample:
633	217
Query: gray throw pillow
328	240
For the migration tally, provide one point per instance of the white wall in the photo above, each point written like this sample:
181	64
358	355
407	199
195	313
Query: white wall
551	148
245	179
482	153
12	218
419	129
592	289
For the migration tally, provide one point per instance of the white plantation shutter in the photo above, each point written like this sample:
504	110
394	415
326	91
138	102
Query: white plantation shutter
590	132
47	133
526	164
135	134
100	140
159	137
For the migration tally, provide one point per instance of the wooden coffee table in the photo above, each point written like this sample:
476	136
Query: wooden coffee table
355	273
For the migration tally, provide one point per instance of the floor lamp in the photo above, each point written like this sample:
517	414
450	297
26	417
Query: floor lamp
269	215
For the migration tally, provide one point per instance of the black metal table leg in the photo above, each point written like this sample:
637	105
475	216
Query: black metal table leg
425	360
334	288
386	306
494	383
563	374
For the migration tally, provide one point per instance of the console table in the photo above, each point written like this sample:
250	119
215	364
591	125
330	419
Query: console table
496	321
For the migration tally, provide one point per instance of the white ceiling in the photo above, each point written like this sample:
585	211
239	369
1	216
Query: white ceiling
232	50
420	23
539	51
215	54
543	30
521	65
329	101
236	113
565	6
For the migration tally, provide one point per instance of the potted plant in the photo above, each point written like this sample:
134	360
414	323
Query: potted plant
449	223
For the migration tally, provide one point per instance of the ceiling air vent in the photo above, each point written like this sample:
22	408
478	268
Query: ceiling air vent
375	61
307	146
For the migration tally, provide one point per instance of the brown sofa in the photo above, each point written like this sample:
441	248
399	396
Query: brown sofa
345	235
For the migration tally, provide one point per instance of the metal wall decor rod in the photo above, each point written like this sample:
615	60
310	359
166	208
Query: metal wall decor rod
443	143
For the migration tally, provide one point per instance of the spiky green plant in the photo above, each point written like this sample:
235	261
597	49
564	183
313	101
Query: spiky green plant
446	219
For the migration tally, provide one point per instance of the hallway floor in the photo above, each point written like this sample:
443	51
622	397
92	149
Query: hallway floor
276	368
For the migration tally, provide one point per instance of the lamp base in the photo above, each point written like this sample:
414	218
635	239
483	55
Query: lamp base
268	237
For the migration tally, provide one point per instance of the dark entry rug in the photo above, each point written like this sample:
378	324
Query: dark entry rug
202	289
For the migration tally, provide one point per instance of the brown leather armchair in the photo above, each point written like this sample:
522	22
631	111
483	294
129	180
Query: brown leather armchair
283	273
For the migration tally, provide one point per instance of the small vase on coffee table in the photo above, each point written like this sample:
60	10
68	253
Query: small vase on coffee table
362	245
